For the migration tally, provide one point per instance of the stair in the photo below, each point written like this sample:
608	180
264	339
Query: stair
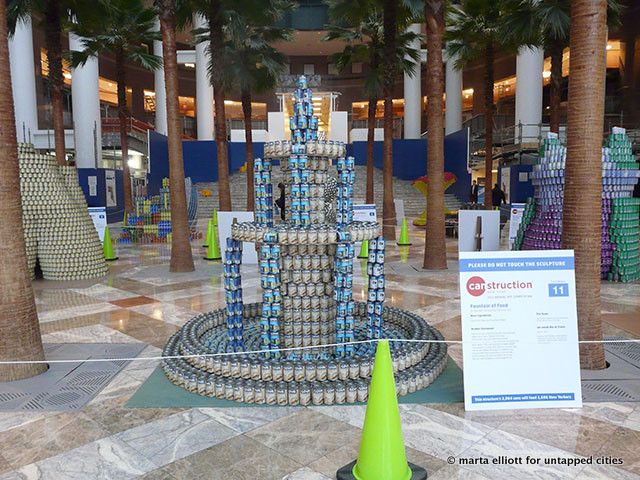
414	201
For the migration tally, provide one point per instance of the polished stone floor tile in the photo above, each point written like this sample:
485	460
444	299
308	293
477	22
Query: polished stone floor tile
77	311
572	433
113	416
106	459
625	444
244	419
599	472
4	465
104	292
133	301
239	458
159	474
88	334
166	312
306	474
171	438
48	436
305	436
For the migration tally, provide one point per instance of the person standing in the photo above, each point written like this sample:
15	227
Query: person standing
497	197
280	200
474	192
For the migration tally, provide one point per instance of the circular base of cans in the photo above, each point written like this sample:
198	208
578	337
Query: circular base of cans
298	377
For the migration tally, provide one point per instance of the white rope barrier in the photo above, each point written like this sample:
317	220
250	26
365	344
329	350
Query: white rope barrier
253	352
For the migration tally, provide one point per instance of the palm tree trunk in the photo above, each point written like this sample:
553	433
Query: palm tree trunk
556	88
123	115
181	256
488	127
53	33
216	49
371	130
390	22
19	326
583	175
248	139
435	251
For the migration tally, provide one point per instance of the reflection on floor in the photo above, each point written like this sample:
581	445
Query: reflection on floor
141	301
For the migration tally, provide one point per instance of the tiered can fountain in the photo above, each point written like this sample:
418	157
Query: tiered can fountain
310	342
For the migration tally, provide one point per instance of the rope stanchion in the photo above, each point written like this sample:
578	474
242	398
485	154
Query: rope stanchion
288	349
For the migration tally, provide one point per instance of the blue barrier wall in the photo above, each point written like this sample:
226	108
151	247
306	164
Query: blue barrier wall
409	159
114	214
200	159
519	190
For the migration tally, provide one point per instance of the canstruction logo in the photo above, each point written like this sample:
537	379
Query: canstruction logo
476	286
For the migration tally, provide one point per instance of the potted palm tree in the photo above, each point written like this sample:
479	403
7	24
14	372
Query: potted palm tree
20	330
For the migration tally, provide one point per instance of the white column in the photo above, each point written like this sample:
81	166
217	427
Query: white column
529	66
23	81
85	99
161	94
204	90
453	98
412	95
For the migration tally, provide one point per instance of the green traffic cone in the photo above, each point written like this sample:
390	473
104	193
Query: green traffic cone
382	455
207	239
213	250
107	247
404	234
214	217
364	249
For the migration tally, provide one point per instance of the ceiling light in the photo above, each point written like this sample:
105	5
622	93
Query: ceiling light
609	46
190	65
546	74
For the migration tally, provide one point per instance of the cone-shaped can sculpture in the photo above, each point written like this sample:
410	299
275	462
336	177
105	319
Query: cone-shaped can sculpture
382	455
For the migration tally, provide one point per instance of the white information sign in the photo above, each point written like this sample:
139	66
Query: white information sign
478	228
519	330
515	218
110	188
92	180
365	212
225	219
99	217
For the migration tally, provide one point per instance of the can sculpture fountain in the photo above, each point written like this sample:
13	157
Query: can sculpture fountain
311	337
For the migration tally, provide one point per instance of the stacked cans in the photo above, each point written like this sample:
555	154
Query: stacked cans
619	219
346	179
344	295
271	296
375	295
263	191
527	216
621	216
58	230
233	293
545	229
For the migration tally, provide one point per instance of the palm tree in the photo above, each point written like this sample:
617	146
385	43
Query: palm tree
478	29
19	327
581	210
255	65
359	23
120	27
435	251
553	18
52	15
181	256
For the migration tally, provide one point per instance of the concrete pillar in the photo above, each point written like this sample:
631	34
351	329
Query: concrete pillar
161	94
23	81
85	99
413	95
529	66
453	98
204	90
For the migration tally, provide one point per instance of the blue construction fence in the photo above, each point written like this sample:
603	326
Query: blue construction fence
114	213
409	159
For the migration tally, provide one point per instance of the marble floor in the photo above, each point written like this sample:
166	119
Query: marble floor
140	301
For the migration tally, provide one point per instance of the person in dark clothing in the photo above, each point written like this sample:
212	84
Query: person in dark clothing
280	200
474	192
497	196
